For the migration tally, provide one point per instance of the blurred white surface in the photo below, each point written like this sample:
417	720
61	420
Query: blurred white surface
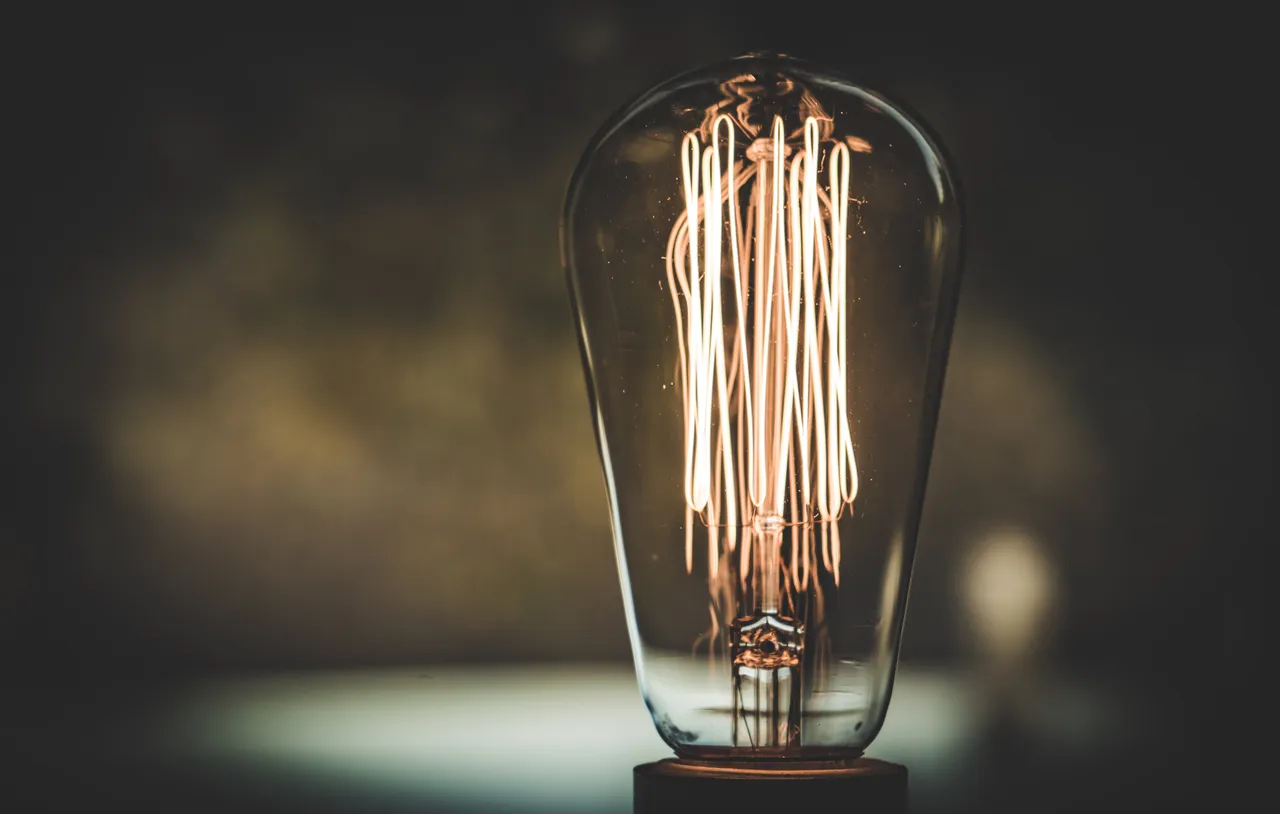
556	737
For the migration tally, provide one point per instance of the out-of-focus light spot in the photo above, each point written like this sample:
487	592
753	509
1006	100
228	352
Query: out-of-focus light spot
1008	589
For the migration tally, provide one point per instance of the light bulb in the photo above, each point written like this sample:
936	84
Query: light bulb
763	262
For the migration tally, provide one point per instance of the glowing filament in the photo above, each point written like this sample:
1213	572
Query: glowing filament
761	308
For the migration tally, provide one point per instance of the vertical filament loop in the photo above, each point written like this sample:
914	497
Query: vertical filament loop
763	371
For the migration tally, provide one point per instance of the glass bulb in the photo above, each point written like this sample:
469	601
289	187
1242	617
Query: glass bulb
763	262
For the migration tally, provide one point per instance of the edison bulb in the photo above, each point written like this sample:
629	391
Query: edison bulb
763	263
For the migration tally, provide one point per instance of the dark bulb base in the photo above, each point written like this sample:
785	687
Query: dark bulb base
864	785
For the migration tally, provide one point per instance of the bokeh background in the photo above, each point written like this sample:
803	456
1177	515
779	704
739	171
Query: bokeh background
291	380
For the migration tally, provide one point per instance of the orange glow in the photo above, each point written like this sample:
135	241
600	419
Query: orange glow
759	285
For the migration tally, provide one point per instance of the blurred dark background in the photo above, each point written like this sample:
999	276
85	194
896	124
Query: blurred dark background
290	377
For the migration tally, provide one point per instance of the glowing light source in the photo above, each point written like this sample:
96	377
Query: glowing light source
763	263
791	408
1008	588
